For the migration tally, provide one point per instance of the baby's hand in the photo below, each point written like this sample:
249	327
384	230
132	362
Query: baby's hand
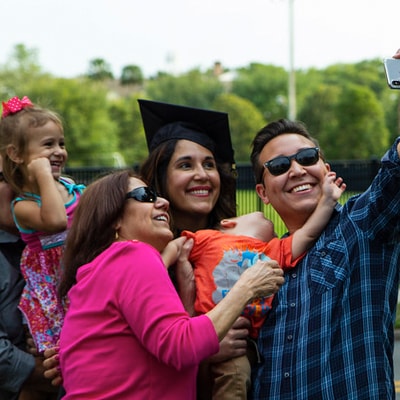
173	251
186	248
332	186
184	276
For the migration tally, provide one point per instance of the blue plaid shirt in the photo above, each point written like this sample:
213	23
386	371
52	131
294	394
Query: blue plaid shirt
329	334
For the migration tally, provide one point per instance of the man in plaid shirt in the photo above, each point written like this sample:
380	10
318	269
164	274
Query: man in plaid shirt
330	332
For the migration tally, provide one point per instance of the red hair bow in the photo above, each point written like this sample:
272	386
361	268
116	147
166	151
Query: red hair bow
14	105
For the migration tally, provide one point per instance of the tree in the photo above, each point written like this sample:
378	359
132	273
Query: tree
318	113
193	89
90	134
24	60
393	115
347	120
99	70
21	67
131	75
361	131
131	138
266	87
348	108
244	121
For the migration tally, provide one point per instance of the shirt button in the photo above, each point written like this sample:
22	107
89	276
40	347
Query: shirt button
289	337
292	305
294	275
286	375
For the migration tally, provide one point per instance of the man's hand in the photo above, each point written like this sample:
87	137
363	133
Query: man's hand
234	344
37	380
51	365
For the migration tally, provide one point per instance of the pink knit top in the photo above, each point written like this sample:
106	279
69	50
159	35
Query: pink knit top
126	334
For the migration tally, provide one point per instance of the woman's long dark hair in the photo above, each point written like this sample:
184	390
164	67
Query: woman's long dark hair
93	228
154	171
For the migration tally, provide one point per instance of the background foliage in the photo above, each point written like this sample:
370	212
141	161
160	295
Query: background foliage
347	107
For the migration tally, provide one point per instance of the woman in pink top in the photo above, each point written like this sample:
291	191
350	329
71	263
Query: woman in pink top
126	334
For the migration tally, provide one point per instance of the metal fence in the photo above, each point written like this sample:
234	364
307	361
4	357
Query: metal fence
357	174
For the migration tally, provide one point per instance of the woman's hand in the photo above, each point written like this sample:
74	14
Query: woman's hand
263	279
51	365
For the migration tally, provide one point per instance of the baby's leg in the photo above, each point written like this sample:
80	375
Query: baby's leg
231	379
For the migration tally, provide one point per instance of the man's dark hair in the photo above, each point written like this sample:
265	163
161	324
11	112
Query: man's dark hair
269	132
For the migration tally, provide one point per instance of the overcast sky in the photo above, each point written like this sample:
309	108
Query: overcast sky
177	35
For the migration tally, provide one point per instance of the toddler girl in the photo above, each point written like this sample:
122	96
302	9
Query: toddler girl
34	154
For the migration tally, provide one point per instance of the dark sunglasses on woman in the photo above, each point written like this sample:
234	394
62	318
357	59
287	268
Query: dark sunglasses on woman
144	194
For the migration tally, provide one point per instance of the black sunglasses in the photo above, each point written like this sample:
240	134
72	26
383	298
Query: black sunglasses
280	165
143	194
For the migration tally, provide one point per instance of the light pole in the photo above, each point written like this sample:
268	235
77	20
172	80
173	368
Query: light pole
292	73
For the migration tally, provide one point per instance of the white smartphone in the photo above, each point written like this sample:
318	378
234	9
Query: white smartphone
392	70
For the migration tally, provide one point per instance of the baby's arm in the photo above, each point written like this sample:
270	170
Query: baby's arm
51	215
172	251
184	276
177	252
304	238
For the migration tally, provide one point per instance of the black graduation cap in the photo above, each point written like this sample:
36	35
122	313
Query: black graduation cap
164	121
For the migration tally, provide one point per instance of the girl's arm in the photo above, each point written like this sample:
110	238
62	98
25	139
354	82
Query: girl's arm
305	237
51	215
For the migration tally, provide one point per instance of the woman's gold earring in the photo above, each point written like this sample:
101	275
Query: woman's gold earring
116	235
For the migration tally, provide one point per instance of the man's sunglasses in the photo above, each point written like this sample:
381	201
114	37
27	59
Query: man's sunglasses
144	194
280	165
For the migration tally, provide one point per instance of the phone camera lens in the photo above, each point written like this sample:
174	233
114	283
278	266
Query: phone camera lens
396	83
